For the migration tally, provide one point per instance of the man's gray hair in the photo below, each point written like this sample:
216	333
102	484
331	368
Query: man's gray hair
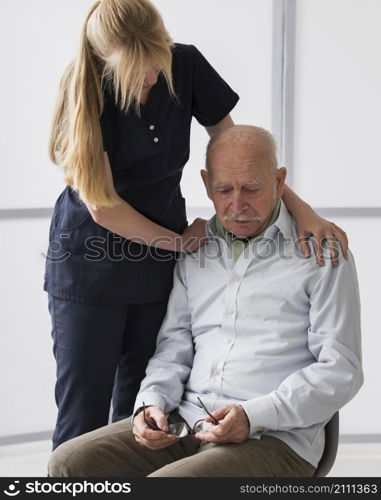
259	140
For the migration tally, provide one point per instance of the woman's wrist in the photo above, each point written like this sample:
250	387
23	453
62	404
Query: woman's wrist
294	204
303	208
185	242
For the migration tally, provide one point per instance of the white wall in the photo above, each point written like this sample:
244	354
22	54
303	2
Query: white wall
27	368
37	41
338	102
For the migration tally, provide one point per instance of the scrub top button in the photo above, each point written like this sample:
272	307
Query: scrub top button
151	127
156	139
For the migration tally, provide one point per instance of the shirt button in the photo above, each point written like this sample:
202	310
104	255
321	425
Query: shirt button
156	139
151	127
229	310
236	277
259	430
228	341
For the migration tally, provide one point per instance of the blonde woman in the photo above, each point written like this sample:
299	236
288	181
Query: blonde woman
121	132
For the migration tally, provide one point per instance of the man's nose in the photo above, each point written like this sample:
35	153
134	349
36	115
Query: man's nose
238	202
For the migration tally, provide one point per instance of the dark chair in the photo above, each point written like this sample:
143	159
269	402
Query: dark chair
330	449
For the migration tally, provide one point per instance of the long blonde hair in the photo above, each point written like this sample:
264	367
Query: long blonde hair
119	41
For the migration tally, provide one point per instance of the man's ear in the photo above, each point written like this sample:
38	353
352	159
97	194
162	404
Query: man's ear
281	177
205	178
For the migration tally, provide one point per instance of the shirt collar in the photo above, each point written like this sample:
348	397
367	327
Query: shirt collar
283	223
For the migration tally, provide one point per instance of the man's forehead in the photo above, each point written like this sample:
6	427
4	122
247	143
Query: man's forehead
256	181
230	164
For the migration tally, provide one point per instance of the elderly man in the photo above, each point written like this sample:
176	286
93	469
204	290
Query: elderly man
264	339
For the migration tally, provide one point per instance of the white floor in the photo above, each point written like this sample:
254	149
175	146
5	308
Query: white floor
30	459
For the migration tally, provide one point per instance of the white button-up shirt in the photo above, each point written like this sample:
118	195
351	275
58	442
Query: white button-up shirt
274	332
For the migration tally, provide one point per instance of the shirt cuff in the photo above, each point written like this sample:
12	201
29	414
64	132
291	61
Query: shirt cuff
149	398
262	415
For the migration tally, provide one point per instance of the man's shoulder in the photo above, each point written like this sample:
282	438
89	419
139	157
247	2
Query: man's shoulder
313	269
199	260
188	259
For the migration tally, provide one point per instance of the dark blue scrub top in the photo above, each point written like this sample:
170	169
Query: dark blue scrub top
86	262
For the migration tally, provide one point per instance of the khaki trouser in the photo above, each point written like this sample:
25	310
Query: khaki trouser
112	451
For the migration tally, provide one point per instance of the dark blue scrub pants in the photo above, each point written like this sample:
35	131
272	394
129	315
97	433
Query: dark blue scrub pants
101	353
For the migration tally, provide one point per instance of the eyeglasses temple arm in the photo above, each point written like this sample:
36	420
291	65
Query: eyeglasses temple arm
215	421
151	425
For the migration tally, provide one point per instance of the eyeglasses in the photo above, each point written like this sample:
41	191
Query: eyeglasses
182	429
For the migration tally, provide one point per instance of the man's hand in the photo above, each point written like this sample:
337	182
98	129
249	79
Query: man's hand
234	426
154	440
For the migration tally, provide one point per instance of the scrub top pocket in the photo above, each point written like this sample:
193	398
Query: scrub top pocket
70	212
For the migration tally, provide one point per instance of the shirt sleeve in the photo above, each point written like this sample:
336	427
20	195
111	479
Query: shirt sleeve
169	368
314	393
212	97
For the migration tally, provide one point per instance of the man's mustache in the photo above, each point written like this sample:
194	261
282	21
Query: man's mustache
241	218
